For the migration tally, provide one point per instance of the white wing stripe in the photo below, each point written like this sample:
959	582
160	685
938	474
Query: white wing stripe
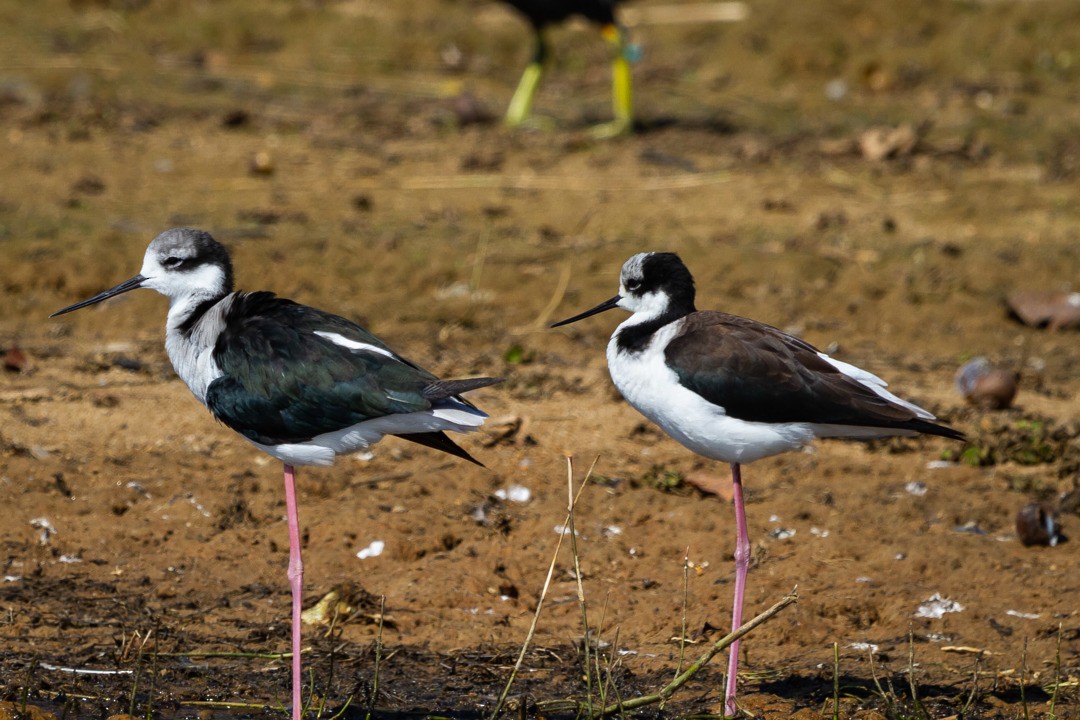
876	384
345	342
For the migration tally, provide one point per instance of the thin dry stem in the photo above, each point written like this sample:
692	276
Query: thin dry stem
685	600
911	675
684	13
836	681
1057	677
611	665
378	658
138	670
565	183
701	662
227	704
478	263
602	687
543	595
1023	680
886	697
557	296
570	502
153	677
247	655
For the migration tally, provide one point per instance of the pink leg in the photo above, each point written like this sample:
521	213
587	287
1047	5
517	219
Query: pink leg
296	582
742	564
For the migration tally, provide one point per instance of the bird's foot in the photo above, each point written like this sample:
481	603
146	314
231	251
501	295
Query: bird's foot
539	123
612	129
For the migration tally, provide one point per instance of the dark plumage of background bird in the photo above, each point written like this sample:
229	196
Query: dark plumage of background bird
543	13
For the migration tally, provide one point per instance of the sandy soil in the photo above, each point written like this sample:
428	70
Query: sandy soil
324	143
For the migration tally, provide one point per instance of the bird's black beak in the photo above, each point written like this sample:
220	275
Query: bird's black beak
132	284
606	305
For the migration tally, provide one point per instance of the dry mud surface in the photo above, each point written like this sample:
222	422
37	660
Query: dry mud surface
875	179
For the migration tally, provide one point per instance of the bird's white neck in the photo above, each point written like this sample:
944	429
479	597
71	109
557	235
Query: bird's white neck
191	331
645	308
182	307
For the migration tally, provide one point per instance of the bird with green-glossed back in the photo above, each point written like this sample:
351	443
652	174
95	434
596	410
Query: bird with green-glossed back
301	384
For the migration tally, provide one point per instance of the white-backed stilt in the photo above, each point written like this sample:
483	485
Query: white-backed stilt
301	384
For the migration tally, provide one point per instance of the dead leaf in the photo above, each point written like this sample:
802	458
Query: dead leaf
506	430
965	650
881	143
15	359
1053	310
712	484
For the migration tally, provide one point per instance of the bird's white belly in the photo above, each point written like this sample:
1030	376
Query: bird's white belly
653	389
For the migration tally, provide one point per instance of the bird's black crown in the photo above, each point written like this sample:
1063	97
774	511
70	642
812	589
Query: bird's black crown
665	272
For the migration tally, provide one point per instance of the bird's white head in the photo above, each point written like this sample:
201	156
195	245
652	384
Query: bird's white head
184	264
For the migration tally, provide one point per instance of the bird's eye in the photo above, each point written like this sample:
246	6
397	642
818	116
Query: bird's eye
172	262
632	284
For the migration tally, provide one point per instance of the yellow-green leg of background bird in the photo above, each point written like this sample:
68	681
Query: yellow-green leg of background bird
521	103
622	94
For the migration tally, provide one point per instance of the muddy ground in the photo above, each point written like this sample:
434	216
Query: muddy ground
874	179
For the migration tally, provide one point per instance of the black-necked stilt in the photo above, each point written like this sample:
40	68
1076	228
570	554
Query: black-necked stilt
299	383
736	390
541	14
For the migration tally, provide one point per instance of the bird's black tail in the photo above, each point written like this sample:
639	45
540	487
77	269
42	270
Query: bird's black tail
440	441
931	428
442	389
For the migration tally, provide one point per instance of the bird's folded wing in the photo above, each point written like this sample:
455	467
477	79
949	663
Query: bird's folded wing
290	372
761	374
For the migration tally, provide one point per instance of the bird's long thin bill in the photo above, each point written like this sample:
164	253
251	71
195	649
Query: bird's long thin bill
123	287
606	305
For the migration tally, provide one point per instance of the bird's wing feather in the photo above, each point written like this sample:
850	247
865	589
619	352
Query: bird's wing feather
291	372
761	374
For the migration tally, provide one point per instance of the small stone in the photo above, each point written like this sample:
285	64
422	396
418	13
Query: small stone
1037	524
987	386
262	163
